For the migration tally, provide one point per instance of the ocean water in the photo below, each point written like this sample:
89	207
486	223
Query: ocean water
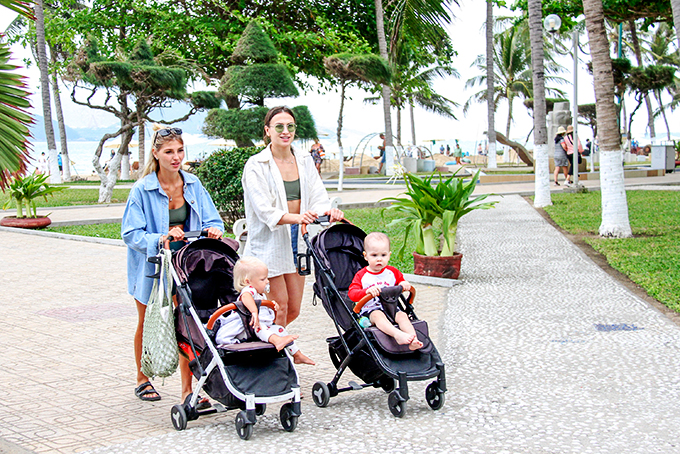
81	154
197	147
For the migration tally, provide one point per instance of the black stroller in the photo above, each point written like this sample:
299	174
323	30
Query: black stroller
244	376
370	354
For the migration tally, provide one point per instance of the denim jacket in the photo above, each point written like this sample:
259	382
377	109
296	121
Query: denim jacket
146	218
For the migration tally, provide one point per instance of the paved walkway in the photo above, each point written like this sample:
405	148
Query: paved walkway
545	353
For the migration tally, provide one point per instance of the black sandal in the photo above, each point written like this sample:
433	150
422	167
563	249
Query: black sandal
142	392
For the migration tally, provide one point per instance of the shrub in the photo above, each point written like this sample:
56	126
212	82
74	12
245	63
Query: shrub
221	176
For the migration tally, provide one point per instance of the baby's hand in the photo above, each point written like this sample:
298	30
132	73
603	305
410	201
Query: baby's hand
405	285
255	322
276	306
373	291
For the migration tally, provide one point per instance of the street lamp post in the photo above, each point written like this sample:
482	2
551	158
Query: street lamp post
552	24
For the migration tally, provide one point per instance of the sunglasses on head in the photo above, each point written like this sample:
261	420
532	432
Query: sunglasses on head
290	126
165	132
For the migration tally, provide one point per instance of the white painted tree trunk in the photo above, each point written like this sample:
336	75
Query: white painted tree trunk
490	81
542	177
614	203
125	167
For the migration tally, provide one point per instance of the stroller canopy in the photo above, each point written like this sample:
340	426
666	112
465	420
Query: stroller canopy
207	265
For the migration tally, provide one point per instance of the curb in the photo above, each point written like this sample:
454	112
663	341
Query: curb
64	236
429	280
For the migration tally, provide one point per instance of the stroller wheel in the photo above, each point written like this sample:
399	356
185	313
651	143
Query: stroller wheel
321	394
397	404
243	428
179	417
288	419
260	409
434	396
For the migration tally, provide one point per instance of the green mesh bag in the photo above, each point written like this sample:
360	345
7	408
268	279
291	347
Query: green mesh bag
160	355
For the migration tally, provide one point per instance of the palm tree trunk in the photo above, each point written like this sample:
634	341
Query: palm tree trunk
491	107
55	177
386	92
615	221
638	57
399	126
413	123
63	141
657	95
141	137
675	6
541	150
341	161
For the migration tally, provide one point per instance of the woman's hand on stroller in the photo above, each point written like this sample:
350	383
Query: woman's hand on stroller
175	234
335	215
308	217
214	232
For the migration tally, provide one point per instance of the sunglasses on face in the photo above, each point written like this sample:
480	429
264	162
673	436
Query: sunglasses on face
279	127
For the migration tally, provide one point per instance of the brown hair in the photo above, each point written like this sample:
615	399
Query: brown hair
158	141
272	112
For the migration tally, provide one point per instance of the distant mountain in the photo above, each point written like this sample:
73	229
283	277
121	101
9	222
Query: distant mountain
91	133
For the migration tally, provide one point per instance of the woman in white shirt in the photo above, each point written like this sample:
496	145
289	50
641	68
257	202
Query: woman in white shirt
282	189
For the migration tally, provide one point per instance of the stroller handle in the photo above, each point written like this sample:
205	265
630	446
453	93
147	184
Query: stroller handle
187	235
231	307
322	220
360	304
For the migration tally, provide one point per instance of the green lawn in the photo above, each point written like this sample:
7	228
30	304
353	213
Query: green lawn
651	258
70	197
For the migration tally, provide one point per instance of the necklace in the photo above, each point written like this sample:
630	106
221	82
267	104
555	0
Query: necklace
284	161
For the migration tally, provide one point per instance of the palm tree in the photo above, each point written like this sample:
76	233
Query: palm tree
512	71
55	176
638	56
541	152
386	93
490	85
14	119
615	221
421	19
661	52
355	68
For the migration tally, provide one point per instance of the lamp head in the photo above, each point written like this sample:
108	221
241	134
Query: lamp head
552	23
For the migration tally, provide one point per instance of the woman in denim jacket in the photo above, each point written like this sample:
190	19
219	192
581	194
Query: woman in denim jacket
166	202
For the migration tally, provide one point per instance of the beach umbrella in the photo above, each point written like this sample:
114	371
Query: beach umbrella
116	144
222	143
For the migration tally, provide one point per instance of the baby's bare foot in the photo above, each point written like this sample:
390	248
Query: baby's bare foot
415	344
403	338
281	341
300	358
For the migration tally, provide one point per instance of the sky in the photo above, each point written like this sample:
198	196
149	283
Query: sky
361	119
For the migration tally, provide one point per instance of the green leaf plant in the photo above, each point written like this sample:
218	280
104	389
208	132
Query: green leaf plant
424	203
24	191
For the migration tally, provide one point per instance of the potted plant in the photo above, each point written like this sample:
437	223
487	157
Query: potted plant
421	206
24	191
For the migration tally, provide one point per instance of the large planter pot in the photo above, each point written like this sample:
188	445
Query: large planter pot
25	223
435	266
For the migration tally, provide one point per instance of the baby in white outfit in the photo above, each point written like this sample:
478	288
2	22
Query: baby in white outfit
250	278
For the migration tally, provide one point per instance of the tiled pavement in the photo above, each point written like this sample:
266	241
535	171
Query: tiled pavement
545	353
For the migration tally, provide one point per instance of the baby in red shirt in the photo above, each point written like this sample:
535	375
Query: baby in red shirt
370	279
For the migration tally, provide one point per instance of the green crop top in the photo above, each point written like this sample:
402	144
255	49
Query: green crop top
292	189
179	216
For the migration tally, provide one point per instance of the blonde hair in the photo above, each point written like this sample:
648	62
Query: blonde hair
244	269
376	237
156	142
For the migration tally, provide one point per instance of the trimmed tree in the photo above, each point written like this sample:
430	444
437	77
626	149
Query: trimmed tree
254	76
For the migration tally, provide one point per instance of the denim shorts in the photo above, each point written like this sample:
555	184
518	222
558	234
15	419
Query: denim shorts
294	229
